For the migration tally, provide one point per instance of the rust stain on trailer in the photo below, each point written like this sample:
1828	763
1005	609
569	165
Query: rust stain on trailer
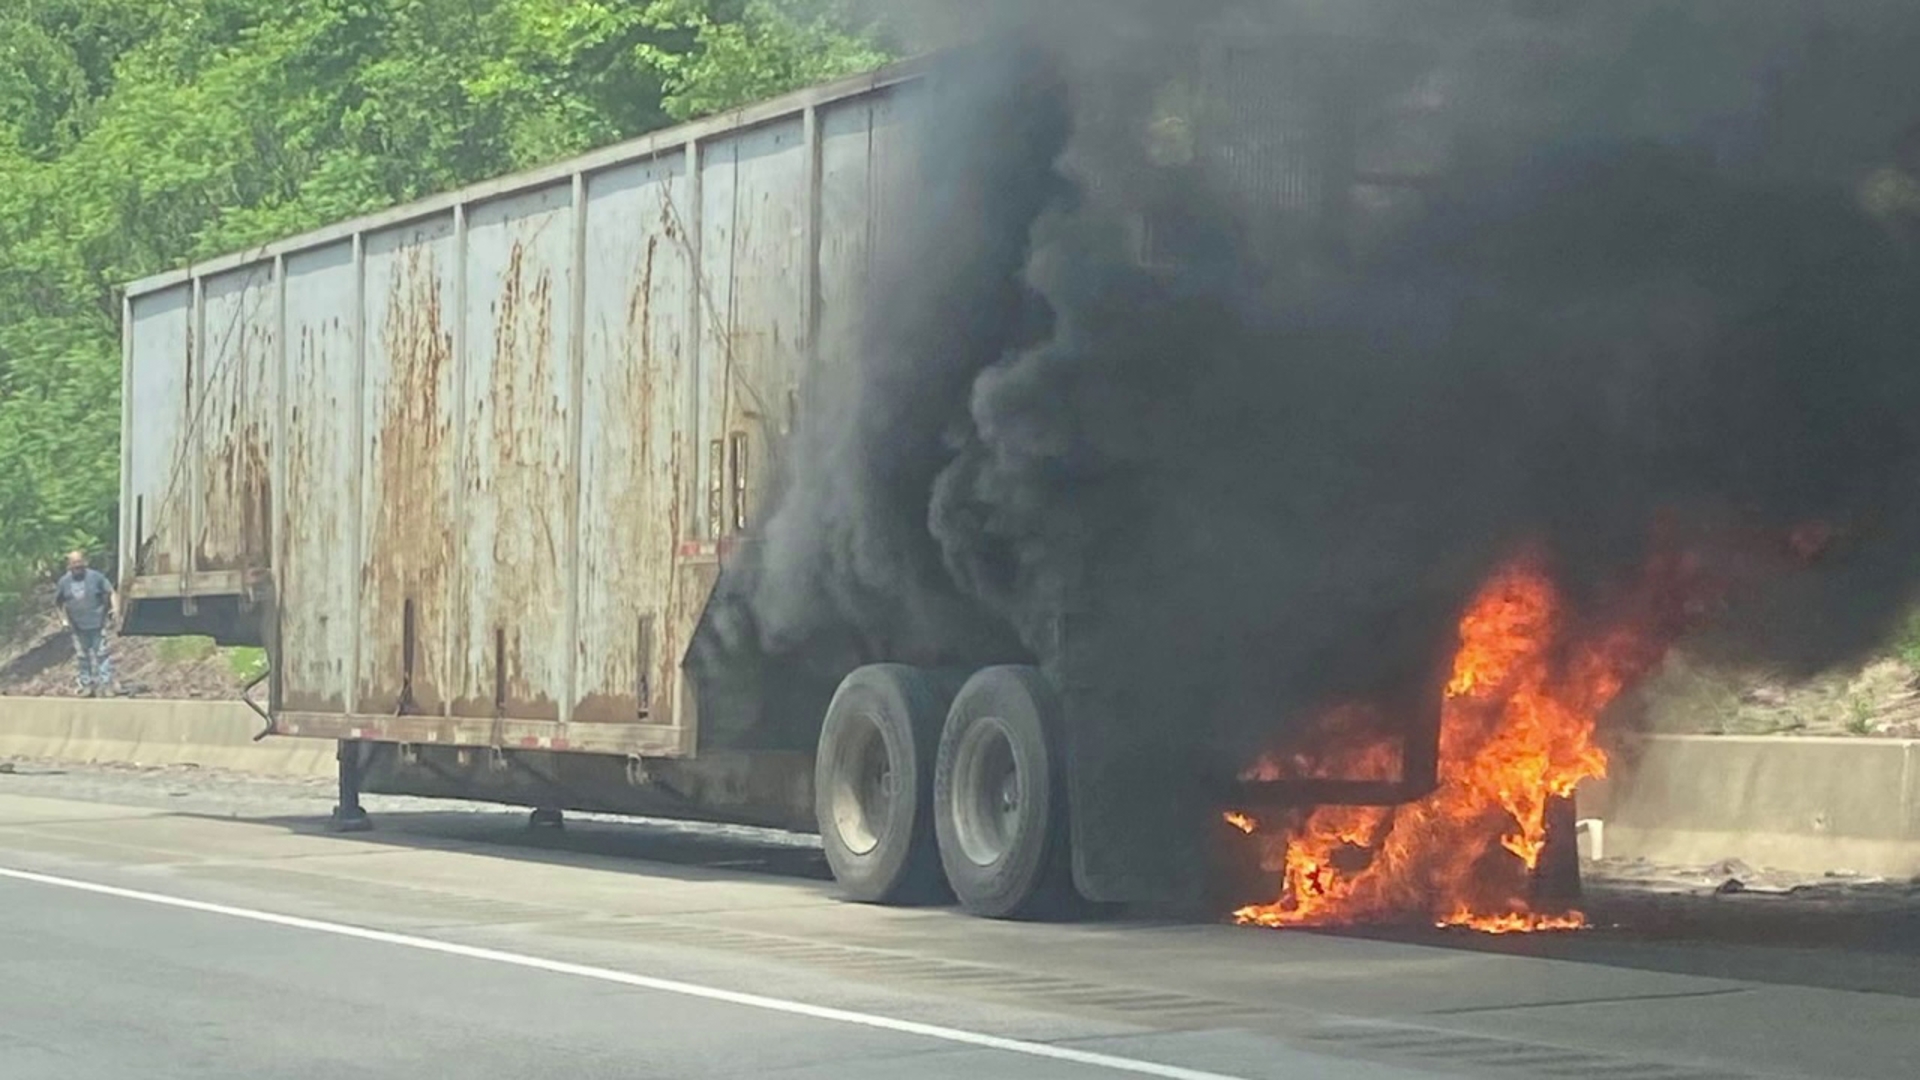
297	659
251	478
677	631
236	518
653	652
411	540
630	667
312	671
518	482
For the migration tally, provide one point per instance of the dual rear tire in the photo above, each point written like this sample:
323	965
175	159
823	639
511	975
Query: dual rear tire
924	787
872	777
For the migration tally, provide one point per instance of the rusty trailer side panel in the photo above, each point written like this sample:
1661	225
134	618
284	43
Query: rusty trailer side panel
754	215
514	497
409	296
237	395
159	365
314	567
636	408
471	467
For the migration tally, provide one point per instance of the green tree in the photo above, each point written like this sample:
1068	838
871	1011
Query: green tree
732	53
135	136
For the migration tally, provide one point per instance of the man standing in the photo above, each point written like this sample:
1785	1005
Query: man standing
90	604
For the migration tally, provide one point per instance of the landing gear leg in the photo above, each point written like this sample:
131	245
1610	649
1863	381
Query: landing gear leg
547	819
1556	878
348	815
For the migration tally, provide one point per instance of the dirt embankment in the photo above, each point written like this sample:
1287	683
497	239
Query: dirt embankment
36	660
1688	696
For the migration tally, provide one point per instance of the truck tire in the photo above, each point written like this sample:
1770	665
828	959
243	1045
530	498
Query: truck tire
873	783
999	798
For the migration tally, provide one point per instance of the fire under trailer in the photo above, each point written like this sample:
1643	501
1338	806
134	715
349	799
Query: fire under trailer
470	470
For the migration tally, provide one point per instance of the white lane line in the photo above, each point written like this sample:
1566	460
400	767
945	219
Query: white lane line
644	982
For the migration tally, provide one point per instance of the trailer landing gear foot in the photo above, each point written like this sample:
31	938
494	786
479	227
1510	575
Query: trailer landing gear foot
547	819
348	815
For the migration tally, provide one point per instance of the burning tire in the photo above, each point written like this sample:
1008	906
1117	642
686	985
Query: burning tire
998	797
873	778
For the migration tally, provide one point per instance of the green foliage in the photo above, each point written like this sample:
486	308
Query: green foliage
743	51
185	650
135	136
1907	643
247	663
1859	716
244	662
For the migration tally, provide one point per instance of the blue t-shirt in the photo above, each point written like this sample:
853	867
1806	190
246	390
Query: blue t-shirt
85	599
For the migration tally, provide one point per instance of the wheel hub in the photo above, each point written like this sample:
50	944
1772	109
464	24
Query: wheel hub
864	787
987	793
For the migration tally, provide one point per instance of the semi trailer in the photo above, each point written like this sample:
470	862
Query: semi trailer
472	468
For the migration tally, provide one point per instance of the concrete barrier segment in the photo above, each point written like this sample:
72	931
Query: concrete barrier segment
152	733
1816	805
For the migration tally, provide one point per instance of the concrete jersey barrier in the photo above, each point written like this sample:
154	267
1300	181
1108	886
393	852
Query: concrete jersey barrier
1805	804
1787	803
210	734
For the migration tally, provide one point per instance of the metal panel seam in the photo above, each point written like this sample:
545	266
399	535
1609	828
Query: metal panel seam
577	353
455	612
361	451
277	466
691	224
810	292
277	486
190	441
124	558
685	716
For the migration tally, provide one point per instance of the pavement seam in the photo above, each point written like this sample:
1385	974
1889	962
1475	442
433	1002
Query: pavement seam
1452	1048
1618	999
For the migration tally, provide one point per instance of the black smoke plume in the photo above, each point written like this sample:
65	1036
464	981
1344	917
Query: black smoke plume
1253	335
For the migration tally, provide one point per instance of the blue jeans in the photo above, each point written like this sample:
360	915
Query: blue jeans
91	657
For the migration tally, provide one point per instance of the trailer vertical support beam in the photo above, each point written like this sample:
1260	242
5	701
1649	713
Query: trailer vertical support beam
198	357
277	466
576	494
129	544
348	816
456	613
810	295
692	222
279	470
362	451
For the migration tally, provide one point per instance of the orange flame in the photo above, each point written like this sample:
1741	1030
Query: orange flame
1517	733
1241	821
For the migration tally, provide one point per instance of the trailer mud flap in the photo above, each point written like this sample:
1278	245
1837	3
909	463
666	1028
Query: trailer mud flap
1137	812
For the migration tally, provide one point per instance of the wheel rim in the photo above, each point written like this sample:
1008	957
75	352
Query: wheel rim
988	792
863	785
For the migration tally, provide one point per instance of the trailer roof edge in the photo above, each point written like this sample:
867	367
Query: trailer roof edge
640	148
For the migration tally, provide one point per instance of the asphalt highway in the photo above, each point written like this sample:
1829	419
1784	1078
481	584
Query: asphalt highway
119	986
141	942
